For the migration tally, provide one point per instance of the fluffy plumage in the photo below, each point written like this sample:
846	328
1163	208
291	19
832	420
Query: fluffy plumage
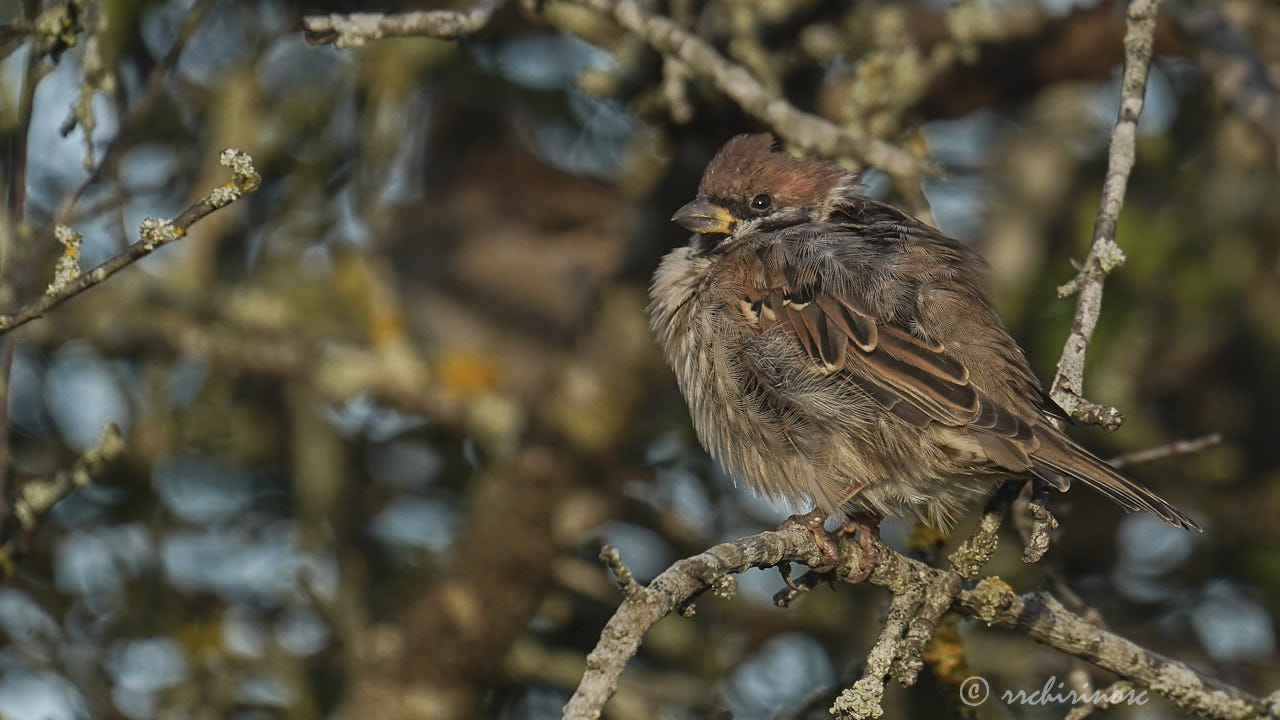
835	350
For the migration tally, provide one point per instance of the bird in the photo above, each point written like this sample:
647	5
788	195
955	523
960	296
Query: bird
835	351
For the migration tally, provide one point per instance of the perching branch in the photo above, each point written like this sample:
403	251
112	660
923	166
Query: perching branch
356	29
1104	254
1036	615
154	232
678	586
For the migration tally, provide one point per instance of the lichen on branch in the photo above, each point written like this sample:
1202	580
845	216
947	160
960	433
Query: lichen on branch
153	233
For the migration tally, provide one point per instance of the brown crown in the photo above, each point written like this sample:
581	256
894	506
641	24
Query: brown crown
748	165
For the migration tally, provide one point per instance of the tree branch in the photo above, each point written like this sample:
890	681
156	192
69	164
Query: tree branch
1104	253
863	699
37	497
678	586
966	562
1181	447
154	232
1036	615
1042	618
356	29
811	133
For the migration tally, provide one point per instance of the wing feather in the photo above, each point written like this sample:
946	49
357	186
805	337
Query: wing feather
915	378
853	324
860	334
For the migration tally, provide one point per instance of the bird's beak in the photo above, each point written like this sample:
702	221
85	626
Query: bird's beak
703	216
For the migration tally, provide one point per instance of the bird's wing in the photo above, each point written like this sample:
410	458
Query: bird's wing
806	281
826	299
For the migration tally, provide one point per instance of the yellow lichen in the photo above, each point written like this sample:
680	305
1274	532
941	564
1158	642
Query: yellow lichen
67	267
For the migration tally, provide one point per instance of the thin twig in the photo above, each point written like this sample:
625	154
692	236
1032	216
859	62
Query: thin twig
1042	618
7	346
16	28
151	91
1181	447
1035	527
1104	253
626	581
356	29
154	232
18	178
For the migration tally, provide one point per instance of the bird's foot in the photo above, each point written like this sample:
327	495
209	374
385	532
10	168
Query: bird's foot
863	525
814	521
866	527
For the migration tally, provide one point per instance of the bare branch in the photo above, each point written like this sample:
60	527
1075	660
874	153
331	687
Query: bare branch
1181	447
14	215
1104	254
356	29
1042	618
15	29
154	232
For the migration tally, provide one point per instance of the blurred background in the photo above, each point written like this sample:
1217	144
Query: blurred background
382	414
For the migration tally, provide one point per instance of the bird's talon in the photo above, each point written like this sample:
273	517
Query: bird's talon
867	529
785	571
813	522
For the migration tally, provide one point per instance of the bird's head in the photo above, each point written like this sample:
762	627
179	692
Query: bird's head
751	187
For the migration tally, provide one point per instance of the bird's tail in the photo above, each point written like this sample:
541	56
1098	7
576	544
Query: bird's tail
1059	459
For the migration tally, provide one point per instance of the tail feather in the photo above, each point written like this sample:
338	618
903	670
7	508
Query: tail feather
1059	457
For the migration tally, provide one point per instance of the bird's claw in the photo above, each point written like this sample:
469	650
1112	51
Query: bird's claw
865	527
814	521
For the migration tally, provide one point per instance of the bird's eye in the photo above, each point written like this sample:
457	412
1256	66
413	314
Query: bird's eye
761	202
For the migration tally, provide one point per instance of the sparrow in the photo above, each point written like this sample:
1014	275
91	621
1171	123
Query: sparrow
835	351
